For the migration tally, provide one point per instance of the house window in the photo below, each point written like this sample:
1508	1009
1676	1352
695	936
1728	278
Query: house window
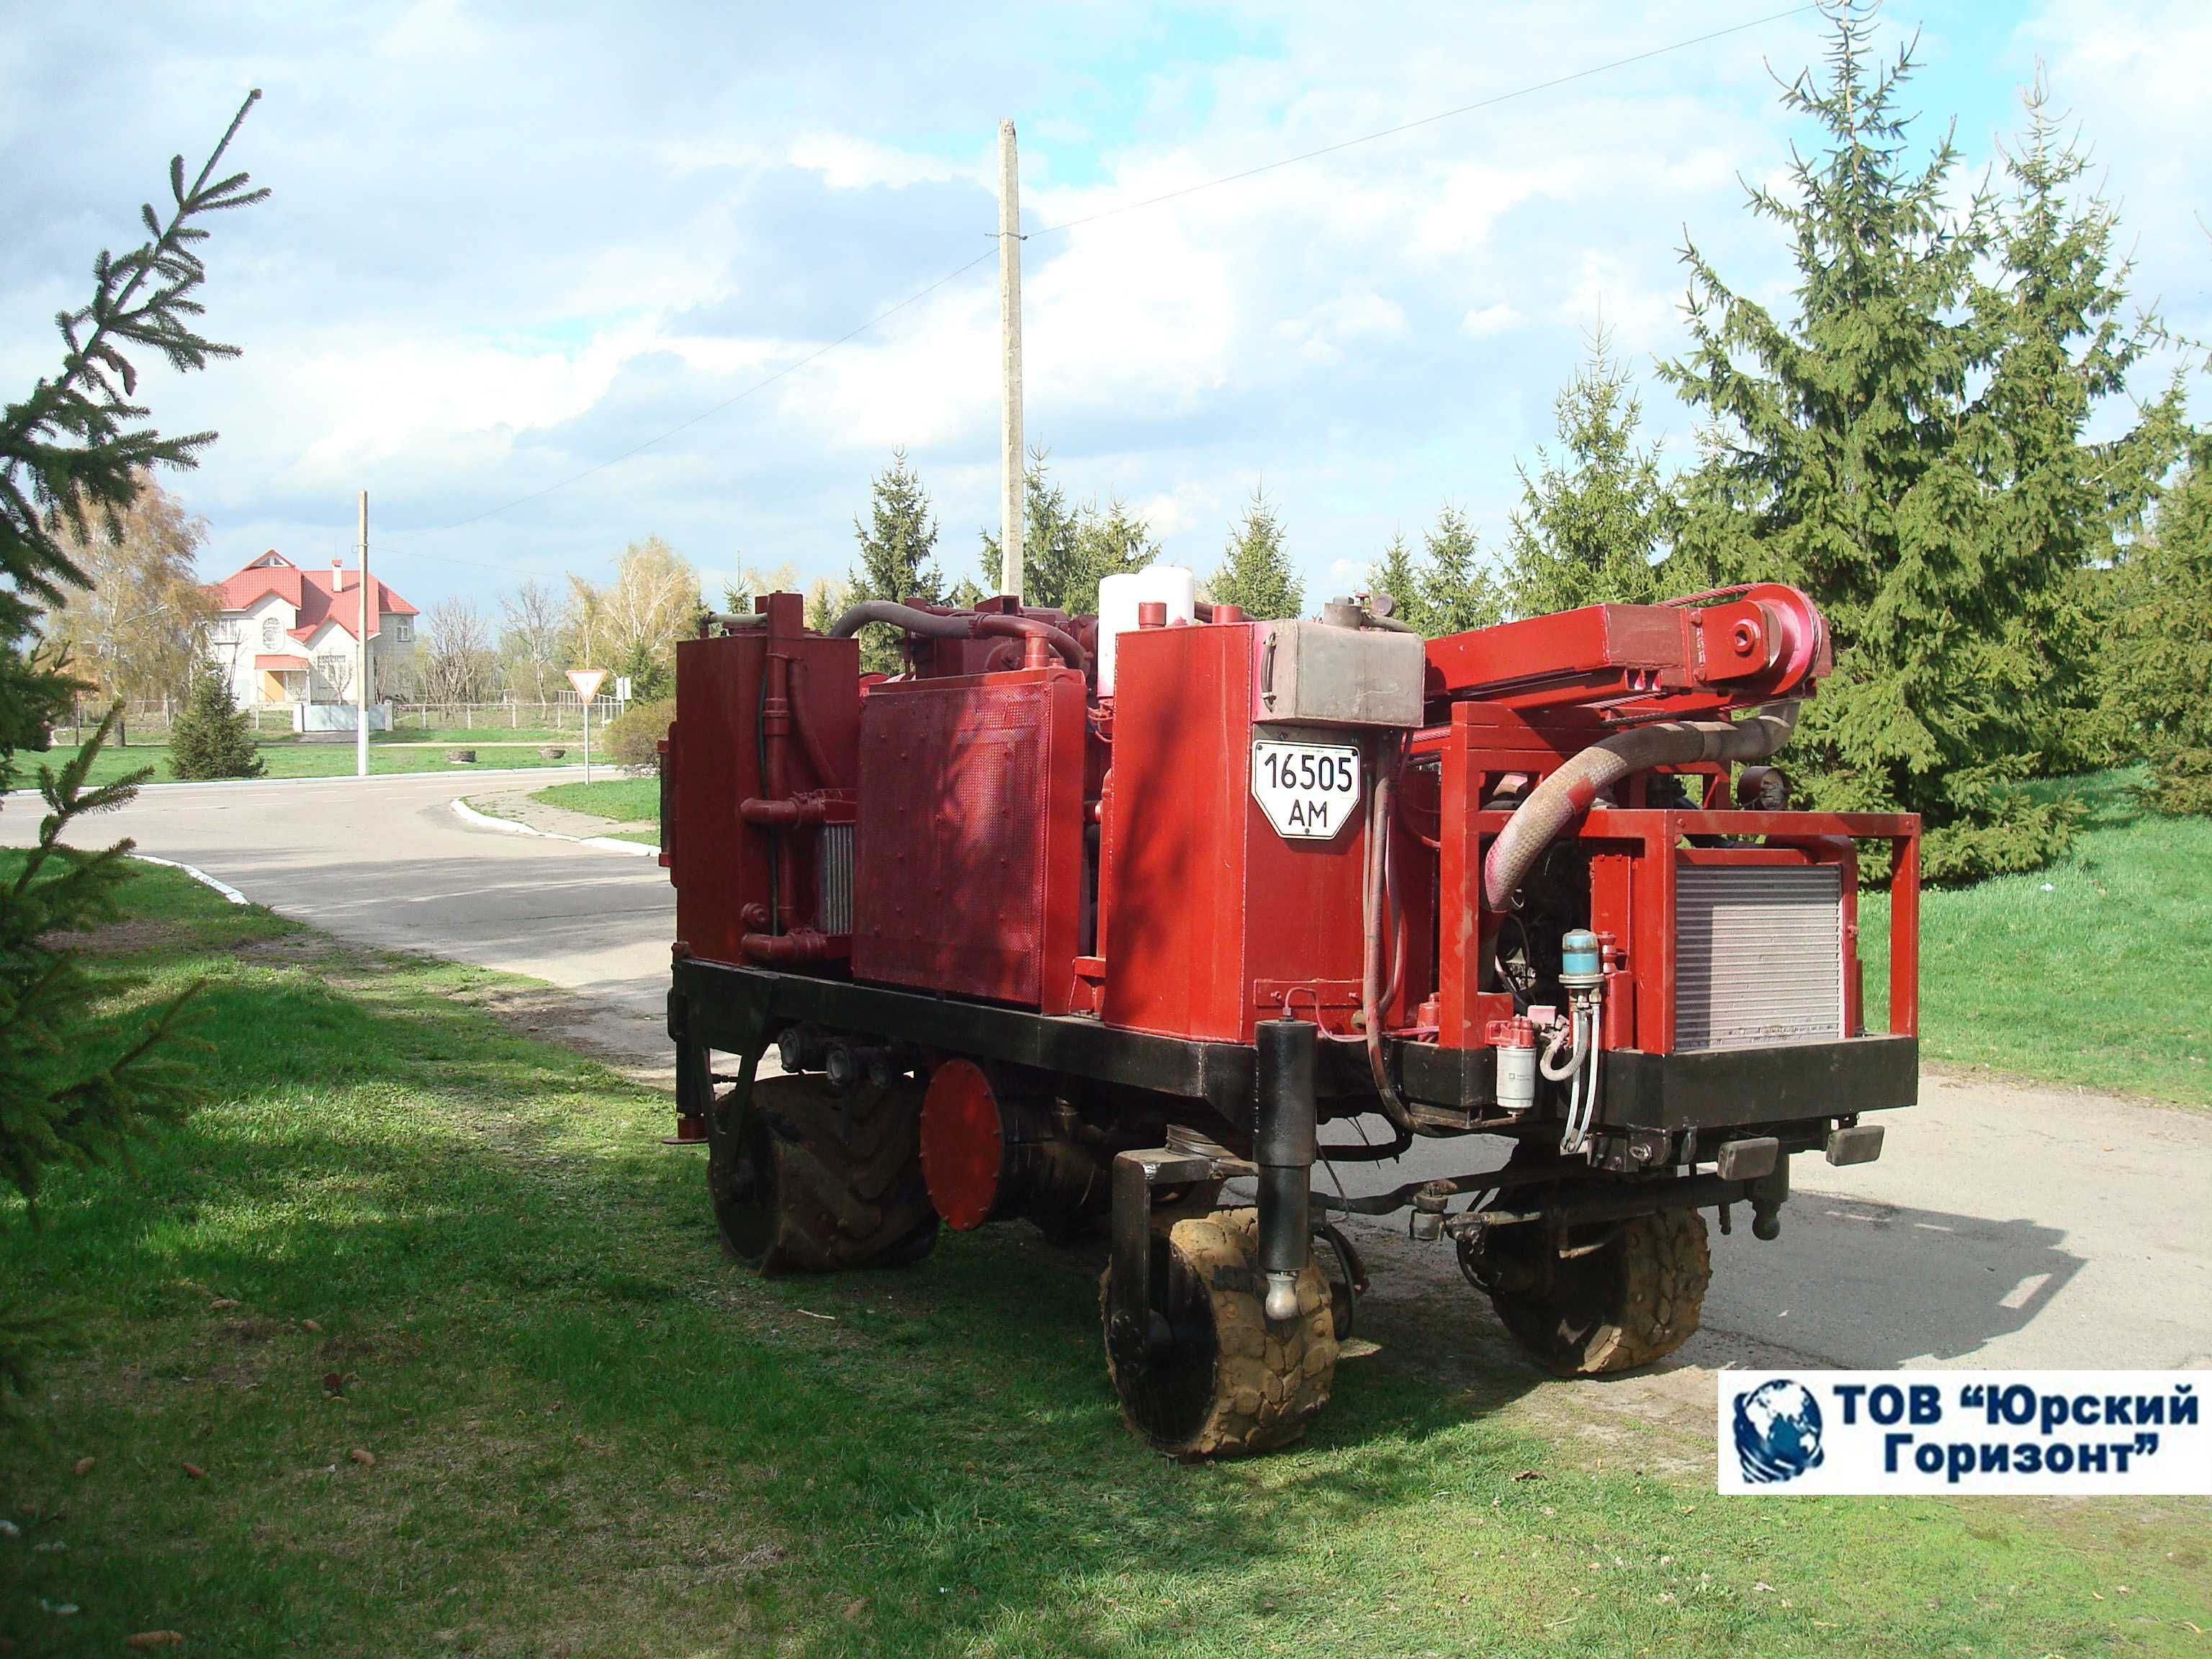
272	633
335	669
224	631
404	629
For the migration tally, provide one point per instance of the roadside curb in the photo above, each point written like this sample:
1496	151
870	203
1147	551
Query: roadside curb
468	814
197	875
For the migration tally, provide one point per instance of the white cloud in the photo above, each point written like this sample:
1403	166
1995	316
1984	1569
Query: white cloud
1489	320
506	248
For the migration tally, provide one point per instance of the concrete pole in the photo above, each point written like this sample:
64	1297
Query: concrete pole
360	686
1010	512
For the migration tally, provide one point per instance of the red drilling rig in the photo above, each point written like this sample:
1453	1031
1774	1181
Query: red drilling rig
1038	937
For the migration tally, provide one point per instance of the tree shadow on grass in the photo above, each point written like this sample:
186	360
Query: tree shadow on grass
942	1447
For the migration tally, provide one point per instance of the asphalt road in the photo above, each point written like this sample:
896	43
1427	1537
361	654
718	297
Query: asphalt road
2002	1227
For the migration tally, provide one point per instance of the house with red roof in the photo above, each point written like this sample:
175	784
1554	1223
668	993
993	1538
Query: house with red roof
291	636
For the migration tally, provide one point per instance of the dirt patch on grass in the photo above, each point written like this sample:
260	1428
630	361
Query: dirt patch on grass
115	939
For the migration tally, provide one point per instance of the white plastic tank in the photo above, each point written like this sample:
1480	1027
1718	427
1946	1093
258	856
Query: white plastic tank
1120	596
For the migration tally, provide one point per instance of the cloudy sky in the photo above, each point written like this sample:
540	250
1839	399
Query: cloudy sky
509	245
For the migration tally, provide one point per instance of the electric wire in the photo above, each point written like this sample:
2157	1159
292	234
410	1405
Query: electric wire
1115	211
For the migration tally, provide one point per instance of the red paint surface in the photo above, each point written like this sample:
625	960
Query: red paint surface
962	1144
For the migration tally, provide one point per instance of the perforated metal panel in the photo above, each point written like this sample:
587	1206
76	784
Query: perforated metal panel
966	855
1758	956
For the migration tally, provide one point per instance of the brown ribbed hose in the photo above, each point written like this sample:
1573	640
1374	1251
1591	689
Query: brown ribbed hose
959	625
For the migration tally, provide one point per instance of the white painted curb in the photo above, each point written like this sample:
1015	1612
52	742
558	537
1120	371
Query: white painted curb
468	814
199	876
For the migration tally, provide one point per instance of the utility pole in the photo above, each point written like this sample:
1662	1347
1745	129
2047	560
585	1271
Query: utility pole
1011	513
360	687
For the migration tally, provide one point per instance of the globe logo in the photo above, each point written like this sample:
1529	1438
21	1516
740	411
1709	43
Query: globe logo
1777	1432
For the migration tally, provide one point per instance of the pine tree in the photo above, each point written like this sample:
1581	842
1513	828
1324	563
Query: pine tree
212	737
1254	571
1456	592
1393	575
2161	651
73	1089
1052	557
895	548
1112	542
2055	498
1067	550
1835	460
652	677
1590	521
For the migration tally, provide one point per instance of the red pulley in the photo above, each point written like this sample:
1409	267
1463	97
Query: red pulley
962	1144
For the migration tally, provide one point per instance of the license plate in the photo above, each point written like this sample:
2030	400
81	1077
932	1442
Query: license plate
1307	790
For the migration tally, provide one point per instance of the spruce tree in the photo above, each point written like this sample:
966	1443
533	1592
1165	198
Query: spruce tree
1112	541
73	1086
1067	550
1051	558
895	543
1456	592
1590	520
2056	500
1836	460
1256	573
2161	651
1392	574
212	737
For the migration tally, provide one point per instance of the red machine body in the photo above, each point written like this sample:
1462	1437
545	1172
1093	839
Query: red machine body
969	850
1212	920
979	829
1024	951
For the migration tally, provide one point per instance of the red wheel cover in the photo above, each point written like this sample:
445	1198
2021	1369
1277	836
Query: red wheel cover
962	1144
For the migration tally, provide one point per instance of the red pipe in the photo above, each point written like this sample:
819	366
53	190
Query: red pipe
799	944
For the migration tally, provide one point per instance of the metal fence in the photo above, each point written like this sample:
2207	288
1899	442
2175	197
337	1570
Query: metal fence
150	723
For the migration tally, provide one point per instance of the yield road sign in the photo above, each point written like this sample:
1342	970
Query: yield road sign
587	681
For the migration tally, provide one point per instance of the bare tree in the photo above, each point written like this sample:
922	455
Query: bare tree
654	602
529	641
459	663
136	629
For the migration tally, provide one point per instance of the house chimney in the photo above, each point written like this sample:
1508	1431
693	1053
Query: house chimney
338	575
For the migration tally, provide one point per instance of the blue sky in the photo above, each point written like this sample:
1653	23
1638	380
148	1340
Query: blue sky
509	243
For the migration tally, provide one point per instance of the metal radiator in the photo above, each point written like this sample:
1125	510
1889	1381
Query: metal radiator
1759	955
833	867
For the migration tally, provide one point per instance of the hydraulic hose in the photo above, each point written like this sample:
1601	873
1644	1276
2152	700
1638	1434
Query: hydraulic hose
1552	805
1375	946
959	625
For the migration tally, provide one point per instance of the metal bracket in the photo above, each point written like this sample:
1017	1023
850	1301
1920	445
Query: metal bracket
1129	1320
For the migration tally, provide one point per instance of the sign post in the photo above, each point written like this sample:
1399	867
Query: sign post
588	681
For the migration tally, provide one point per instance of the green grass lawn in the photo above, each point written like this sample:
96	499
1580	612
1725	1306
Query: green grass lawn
404	1231
2097	971
620	800
287	757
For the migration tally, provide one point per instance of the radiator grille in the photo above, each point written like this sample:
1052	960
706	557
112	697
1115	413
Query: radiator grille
1758	956
834	868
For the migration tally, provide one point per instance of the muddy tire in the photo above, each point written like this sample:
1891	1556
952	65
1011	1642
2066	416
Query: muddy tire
1635	1297
818	1182
1219	1379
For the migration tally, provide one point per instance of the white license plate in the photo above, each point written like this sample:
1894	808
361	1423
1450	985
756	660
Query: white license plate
1307	790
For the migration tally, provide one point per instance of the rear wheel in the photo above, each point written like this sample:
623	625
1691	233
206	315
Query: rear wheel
1620	1295
815	1181
1214	1377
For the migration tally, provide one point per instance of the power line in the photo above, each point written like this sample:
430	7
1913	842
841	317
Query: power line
821	351
1427	120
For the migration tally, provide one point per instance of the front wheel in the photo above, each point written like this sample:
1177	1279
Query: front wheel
1619	1295
1214	1377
